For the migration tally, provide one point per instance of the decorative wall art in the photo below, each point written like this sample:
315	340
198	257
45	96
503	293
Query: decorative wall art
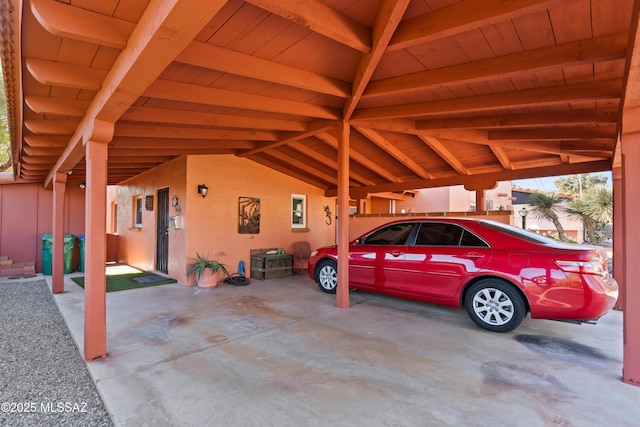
248	215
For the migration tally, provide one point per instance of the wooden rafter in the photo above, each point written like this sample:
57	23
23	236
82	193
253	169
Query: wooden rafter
607	89
594	50
289	137
330	162
56	106
216	58
555	119
65	75
182	117
161	132
360	158
387	20
396	153
76	23
321	19
441	150
461	17
176	91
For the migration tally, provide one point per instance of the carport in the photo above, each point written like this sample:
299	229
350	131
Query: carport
355	98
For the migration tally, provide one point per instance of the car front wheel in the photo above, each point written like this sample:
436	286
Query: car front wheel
327	276
495	306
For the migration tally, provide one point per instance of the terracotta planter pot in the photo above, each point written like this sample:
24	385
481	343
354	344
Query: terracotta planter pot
210	280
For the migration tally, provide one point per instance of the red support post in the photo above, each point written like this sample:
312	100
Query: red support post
95	320
57	249
342	292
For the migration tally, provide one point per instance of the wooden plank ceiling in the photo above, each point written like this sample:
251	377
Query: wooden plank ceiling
437	92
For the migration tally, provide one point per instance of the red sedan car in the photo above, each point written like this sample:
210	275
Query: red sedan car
495	271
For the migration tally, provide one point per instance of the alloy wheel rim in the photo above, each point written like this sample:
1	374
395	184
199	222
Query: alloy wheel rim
328	277
493	306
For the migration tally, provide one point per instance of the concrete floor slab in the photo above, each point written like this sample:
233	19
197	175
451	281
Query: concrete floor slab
278	352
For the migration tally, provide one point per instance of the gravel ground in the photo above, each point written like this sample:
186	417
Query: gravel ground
43	379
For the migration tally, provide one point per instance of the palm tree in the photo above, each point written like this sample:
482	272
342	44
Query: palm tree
579	209
595	209
544	206
599	200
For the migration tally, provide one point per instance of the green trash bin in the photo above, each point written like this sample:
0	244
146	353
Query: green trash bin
47	244
81	249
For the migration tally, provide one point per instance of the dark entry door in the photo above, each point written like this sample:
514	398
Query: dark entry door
162	249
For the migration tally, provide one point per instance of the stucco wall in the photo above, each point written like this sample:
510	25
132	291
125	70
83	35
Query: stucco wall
210	225
26	212
137	246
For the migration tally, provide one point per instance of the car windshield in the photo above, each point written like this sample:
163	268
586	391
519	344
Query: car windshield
520	233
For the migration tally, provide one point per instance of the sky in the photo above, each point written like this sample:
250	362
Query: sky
547	183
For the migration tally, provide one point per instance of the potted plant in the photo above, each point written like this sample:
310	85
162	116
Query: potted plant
207	272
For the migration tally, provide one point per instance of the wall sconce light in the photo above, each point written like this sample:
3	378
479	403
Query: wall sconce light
82	186
203	190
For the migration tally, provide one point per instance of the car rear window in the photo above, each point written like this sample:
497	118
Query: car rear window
443	234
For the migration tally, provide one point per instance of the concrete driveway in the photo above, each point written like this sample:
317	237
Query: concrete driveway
279	353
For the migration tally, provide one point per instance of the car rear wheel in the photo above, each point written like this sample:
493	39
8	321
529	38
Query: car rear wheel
327	276
495	305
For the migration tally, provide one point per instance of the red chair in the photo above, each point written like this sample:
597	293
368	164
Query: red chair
301	253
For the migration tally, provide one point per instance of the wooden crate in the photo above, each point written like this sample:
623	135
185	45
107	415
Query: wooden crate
265	266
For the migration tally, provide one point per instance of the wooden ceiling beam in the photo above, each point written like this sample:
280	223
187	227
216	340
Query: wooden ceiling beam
42	151
461	17
520	171
177	144
76	23
329	162
321	19
550	147
173	132
588	145
551	118
591	133
265	161
332	141
593	50
46	141
213	57
163	31
51	126
65	75
392	125
389	15
56	106
605	89
289	137
441	150
480	138
134	160
177	91
394	152
502	157
303	166
39	160
172	152
43	168
197	118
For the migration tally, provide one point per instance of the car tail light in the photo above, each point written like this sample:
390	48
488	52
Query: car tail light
593	266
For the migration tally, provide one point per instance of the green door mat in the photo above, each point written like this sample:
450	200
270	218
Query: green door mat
122	282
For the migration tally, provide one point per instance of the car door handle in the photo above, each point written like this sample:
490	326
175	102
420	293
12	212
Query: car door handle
396	253
473	255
